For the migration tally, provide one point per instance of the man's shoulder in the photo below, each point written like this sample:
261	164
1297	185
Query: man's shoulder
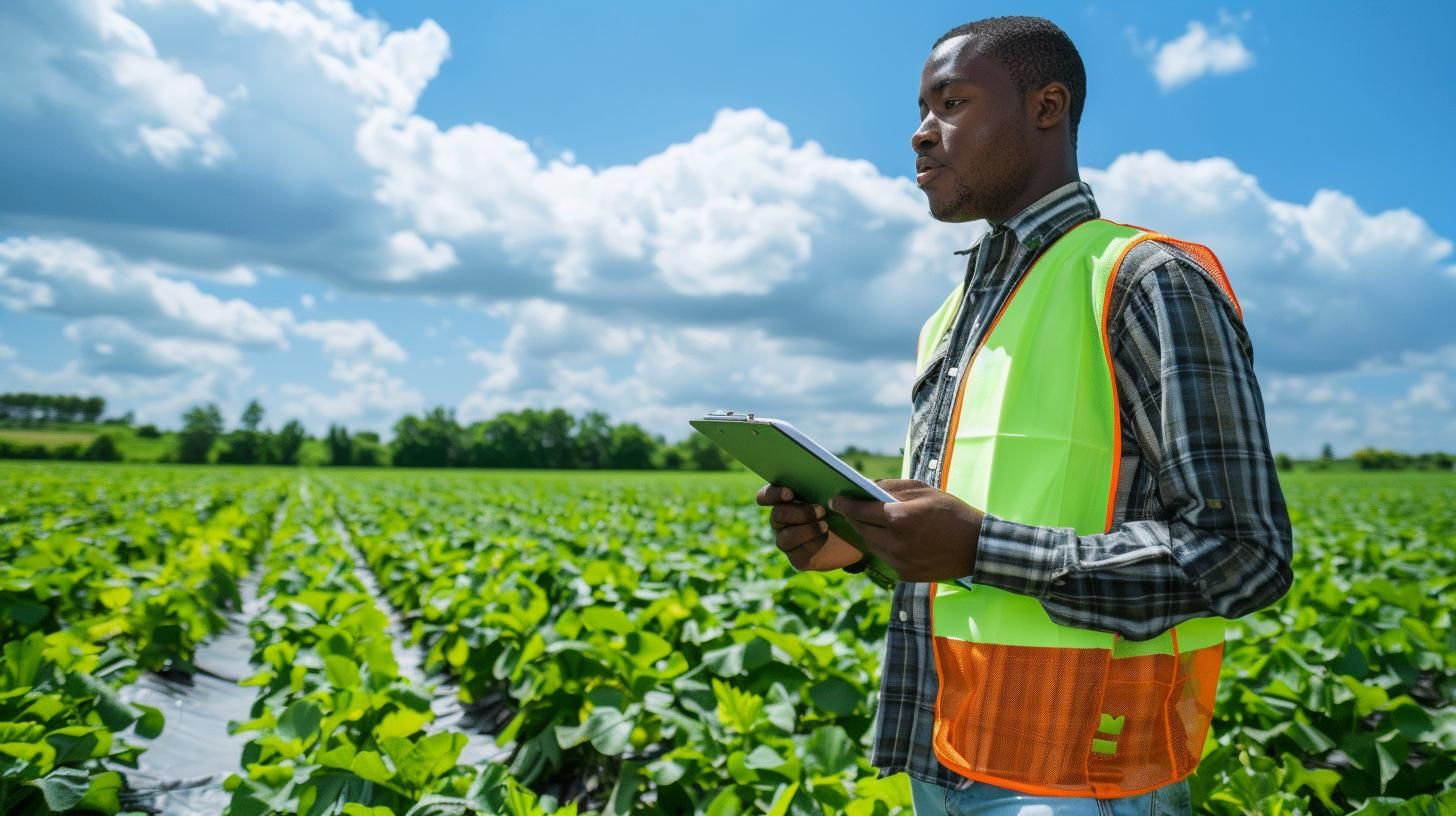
1165	266
1146	256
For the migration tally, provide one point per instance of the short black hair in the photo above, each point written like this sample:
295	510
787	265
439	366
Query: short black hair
1034	52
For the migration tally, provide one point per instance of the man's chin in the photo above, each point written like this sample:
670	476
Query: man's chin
952	213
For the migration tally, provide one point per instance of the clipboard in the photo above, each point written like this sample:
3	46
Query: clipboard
783	455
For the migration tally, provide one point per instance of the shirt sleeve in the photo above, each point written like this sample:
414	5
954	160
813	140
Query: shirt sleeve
1221	544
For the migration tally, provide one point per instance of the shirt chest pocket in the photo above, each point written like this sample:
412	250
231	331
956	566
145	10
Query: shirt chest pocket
925	381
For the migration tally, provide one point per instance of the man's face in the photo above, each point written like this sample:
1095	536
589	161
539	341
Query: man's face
973	152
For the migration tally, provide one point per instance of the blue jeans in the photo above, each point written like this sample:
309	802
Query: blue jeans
981	799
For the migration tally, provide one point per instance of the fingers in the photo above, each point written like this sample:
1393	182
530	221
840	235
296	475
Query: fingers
770	495
792	538
860	511
902	488
787	515
802	542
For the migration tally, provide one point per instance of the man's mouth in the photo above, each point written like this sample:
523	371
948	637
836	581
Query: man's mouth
922	177
925	169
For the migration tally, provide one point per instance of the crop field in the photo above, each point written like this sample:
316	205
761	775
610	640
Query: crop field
614	643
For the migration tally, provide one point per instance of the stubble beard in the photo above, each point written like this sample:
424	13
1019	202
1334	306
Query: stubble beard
960	208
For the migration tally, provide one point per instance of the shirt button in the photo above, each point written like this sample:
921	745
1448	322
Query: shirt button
904	616
933	464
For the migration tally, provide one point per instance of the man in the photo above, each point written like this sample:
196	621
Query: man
1089	488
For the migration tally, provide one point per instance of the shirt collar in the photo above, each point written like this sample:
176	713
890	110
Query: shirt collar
1050	216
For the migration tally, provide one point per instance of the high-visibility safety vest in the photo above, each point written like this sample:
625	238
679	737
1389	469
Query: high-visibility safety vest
1035	438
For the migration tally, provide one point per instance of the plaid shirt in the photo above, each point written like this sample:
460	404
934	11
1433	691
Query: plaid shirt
1199	522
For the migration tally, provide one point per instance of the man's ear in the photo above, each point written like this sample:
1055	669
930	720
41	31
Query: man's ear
1049	105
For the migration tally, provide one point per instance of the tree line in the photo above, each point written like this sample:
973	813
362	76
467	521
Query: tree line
36	410
531	438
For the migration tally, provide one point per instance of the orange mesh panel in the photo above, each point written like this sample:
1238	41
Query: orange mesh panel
1206	259
1026	717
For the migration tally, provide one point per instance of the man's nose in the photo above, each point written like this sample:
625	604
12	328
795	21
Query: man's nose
926	136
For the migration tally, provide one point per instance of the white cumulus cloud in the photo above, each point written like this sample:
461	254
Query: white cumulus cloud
352	337
71	278
1198	53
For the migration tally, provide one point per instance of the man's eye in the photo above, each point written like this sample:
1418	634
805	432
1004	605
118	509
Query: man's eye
951	103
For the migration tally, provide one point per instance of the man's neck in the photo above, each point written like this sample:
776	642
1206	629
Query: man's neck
1030	197
1054	176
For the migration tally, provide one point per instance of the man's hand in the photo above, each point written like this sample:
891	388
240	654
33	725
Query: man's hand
927	535
803	535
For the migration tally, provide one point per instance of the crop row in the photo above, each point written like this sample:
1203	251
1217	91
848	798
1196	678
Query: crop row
84	606
636	645
337	728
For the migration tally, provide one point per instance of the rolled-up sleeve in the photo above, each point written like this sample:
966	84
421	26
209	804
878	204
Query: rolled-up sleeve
1221	542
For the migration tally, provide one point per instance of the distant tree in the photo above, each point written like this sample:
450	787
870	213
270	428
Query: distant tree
554	430
92	409
201	427
702	454
1327	453
340	446
368	451
671	457
102	449
247	445
503	441
1282	461
1375	459
148	431
632	448
288	441
252	416
593	440
434	440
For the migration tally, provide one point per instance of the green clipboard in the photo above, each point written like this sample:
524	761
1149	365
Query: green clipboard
783	455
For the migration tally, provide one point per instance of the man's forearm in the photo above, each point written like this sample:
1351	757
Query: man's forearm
1137	581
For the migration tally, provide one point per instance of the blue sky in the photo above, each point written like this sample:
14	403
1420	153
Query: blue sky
351	212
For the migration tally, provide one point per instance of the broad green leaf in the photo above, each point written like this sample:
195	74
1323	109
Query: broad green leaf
607	619
783	799
103	794
369	765
738	710
726	803
402	723
300	720
608	729
1321	781
763	758
77	743
63	788
835	695
40	754
149	725
342	673
431	757
829	750
115	597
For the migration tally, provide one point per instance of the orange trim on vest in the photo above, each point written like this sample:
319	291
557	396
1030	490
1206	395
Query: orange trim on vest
1200	253
955	413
